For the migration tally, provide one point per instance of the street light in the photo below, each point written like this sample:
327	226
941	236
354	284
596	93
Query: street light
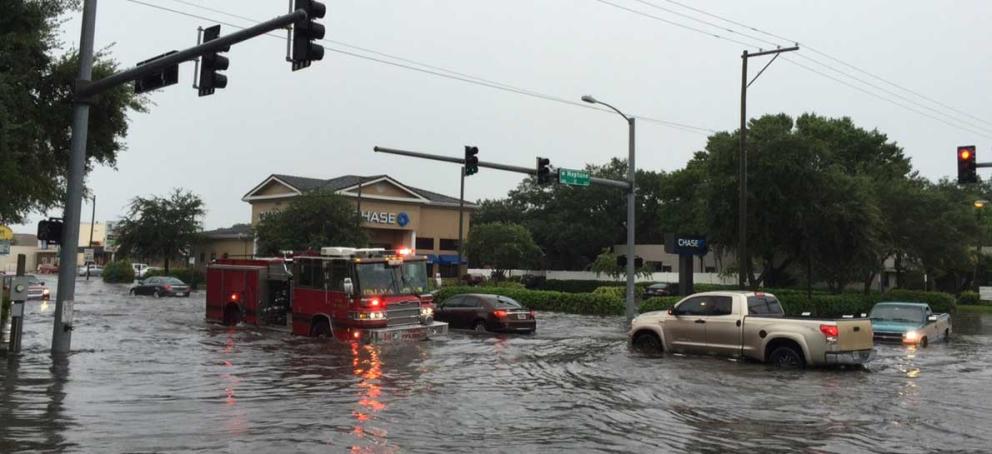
980	203
631	308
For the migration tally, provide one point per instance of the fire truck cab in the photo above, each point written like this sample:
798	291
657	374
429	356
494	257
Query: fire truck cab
366	295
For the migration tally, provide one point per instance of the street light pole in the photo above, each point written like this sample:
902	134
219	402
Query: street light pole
743	256
631	304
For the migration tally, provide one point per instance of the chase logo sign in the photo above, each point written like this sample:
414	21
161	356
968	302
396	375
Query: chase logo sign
686	245
384	217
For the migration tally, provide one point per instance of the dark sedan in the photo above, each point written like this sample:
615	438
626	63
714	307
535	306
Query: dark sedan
161	286
661	289
486	313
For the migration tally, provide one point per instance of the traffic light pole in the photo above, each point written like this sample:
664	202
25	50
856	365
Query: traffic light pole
461	223
85	90
495	165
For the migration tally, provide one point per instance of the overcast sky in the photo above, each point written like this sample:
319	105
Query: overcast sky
323	121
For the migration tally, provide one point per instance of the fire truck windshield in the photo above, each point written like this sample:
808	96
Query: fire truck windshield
383	279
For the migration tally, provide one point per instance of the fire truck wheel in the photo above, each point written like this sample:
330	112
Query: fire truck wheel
232	315
321	329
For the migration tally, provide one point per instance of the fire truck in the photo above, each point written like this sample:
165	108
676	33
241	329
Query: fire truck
351	294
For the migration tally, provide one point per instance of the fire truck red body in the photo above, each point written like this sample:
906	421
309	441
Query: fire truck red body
369	295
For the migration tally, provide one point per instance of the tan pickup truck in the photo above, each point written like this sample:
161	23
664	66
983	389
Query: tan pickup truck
752	325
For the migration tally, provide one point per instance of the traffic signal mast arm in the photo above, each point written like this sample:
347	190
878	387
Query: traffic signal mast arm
494	165
86	90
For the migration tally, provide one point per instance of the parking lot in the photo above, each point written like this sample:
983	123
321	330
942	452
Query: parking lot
150	375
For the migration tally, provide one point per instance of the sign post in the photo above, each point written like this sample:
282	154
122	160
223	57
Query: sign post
687	247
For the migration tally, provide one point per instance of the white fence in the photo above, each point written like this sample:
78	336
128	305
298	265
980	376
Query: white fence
697	278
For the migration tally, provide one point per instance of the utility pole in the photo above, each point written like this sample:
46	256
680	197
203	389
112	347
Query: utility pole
84	92
461	223
743	255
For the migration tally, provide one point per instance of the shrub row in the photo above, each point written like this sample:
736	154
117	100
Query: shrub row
606	301
119	272
584	286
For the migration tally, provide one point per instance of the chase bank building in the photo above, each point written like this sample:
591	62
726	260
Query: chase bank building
394	214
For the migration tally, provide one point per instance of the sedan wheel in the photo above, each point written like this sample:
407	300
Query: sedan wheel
480	327
156	294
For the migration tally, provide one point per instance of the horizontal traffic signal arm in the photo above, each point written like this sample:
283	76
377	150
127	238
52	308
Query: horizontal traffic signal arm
86	90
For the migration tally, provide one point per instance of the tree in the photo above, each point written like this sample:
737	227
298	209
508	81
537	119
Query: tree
501	247
161	228
35	108
313	220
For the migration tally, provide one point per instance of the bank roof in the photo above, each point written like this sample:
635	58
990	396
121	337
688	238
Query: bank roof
304	184
234	231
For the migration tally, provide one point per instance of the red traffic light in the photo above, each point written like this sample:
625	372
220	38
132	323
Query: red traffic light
967	167
965	154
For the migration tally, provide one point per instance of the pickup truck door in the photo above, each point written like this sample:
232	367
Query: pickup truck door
686	330
723	326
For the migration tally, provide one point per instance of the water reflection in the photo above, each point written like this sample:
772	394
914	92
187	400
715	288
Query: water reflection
32	405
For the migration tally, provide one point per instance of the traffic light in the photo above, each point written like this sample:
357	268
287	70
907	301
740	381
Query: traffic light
210	64
967	170
50	231
306	32
471	160
543	171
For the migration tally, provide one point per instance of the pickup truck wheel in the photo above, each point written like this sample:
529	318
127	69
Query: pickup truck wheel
924	343
947	335
647	342
787	358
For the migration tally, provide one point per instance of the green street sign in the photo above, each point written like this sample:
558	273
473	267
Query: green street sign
573	177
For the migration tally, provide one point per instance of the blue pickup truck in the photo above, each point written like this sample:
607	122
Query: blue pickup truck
908	323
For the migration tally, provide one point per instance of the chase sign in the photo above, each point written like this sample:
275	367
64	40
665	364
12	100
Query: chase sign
384	217
686	245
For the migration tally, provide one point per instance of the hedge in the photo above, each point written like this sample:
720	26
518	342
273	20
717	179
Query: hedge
969	298
605	302
584	286
118	272
193	277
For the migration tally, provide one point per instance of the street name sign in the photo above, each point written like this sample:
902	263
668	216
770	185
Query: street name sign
573	177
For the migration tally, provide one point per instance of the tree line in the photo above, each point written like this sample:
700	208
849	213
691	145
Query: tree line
828	202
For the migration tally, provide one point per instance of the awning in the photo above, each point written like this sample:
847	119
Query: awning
444	259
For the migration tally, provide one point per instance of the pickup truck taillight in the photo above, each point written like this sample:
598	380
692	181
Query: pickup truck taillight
830	331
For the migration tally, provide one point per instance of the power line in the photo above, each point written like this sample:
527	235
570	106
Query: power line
835	59
958	120
424	68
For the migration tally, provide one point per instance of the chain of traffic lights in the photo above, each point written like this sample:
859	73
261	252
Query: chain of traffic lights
304	52
472	165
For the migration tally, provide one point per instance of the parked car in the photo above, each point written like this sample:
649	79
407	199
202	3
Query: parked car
47	268
37	290
752	325
36	287
908	323
483	313
95	270
160	286
661	289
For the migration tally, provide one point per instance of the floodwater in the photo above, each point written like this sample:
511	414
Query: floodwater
149	375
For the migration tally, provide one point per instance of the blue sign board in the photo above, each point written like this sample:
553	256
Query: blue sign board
686	245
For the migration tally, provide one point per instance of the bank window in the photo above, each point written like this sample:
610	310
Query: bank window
425	244
448	244
710	269
666	268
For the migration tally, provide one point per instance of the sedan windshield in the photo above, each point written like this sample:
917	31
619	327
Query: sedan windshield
893	313
504	302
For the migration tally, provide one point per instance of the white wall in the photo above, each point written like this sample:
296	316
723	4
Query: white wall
697	278
9	262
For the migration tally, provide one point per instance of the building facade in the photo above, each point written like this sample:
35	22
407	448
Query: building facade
394	215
